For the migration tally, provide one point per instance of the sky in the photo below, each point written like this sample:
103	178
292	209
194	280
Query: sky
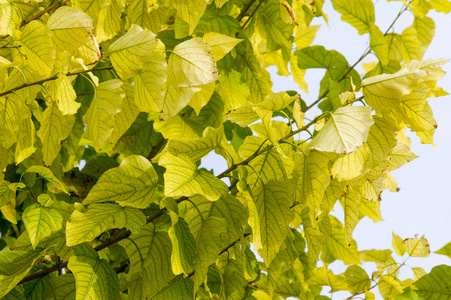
423	204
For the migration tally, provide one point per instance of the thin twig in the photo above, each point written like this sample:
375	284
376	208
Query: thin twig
43	12
245	9
252	14
54	77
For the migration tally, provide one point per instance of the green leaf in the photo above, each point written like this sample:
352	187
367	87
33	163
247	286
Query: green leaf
94	277
8	191
180	288
234	283
317	57
49	176
338	247
41	222
255	76
182	178
357	279
70	28
398	244
86	226
400	156
351	207
129	52
149	252
60	287
65	95
201	98
99	118
55	127
190	12
323	276
272	201
378	44
133	183
220	44
445	250
183	246
436	284
191	63
25	139
37	46
345	130
358	13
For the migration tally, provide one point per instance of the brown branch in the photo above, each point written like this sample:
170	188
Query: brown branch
155	149
245	9
43	12
54	77
252	14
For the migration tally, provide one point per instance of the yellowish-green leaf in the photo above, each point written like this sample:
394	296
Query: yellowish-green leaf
371	209
425	29
54	128
86	226
358	13
99	118
417	247
41	222
351	206
232	90
182	178
337	246
65	96
37	46
26	138
378	44
8	191
220	44
149	252
441	5
129	52
181	288
109	20
191	63
357	279
400	156
149	84
133	183
445	250
49	176
272	200
189	11
398	245
323	276
435	285
380	257
183	246
298	74
201	98
390	287
345	130
70	28
94	277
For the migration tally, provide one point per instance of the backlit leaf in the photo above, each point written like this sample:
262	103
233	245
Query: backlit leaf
360	14
220	44
133	183
436	284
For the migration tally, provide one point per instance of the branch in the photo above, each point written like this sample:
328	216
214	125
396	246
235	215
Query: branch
43	12
245	9
54	77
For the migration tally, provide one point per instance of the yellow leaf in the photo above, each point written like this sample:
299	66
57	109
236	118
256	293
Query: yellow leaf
220	44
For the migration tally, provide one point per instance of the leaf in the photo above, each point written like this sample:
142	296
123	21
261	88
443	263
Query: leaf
86	226
55	127
398	244
183	246
417	247
338	247
25	139
272	202
220	44
37	46
400	156
49	176
441	5
8	191
65	96
255	76
378	44
133	183
201	98
94	278
180	288
436	284
357	279
317	57
209	242
351	207
129	52
182	178
323	276
190	12
360	14
99	118
109	20
149	252
70	28
345	130
191	63
41	222
445	250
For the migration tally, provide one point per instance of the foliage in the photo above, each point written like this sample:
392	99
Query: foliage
138	91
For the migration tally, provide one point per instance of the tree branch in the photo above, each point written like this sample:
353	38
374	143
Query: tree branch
43	12
54	77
